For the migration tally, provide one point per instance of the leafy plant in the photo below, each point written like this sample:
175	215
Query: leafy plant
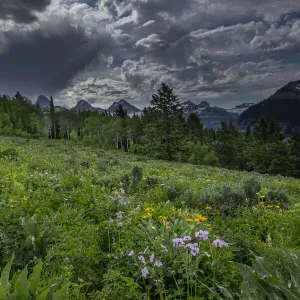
22	286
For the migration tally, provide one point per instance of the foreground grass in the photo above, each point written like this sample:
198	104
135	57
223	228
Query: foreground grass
110	225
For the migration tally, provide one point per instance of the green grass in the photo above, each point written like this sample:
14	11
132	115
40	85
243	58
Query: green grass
57	197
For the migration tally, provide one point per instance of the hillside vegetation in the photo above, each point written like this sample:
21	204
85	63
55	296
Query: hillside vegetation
83	223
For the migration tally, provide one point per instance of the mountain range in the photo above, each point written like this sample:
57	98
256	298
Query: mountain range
210	116
283	107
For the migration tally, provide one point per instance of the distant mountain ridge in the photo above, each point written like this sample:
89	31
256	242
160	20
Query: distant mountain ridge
210	117
131	109
283	107
83	105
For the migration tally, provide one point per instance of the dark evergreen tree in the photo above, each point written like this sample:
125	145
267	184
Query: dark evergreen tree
164	126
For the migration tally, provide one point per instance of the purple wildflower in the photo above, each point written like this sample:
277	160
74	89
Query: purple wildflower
111	220
120	214
158	263
152	257
145	272
219	243
202	235
131	253
194	248
178	242
122	191
142	259
187	238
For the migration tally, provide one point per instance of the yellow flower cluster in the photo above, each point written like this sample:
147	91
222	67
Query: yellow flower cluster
193	217
148	213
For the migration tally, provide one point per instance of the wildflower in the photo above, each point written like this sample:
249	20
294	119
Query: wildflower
120	224
120	214
24	198
152	257
148	209
269	206
142	259
200	218
145	272
158	263
247	199
262	197
189	220
182	202
112	198
194	248
277	206
111	220
208	206
122	191
162	218
219	243
148	215
178	242
131	253
202	235
187	238
262	203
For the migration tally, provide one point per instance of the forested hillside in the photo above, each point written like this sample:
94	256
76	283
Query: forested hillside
161	132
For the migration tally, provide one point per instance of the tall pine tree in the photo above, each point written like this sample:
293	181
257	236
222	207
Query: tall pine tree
164	125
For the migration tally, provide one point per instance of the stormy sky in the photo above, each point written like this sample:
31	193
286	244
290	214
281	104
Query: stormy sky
223	51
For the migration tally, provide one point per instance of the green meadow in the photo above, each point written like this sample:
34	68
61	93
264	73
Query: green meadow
84	223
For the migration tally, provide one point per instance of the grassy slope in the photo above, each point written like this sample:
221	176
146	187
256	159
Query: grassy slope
69	188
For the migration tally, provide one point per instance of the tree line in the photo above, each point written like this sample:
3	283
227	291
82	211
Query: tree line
161	132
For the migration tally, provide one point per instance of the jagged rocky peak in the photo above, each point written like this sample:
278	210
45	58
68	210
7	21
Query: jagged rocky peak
204	104
83	105
131	109
43	101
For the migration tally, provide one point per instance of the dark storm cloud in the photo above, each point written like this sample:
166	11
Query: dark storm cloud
22	10
101	50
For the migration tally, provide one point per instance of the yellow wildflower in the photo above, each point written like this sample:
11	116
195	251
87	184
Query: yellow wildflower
277	206
262	203
24	198
208	206
189	220
182	202
269	206
162	218
148	215
262	197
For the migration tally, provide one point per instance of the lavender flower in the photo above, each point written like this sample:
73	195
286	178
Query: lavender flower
152	257
142	259
194	248
145	272
219	243
120	214
178	242
111	220
131	253
202	235
187	238
158	263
